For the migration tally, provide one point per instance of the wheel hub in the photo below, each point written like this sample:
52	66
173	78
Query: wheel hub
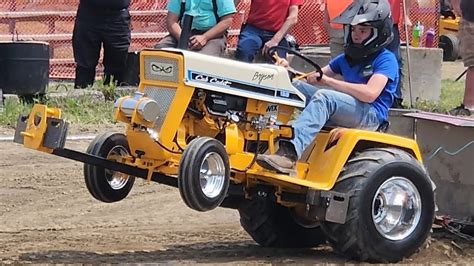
396	208
212	175
116	179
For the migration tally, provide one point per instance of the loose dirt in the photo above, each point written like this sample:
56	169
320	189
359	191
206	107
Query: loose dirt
48	216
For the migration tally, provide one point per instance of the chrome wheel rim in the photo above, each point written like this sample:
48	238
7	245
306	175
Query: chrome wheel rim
115	179
396	208
212	175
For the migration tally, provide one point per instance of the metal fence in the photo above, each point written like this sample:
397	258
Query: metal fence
52	21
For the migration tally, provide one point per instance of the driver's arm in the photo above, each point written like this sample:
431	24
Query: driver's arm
363	92
327	71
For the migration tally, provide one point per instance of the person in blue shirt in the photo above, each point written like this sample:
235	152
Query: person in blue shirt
362	99
211	20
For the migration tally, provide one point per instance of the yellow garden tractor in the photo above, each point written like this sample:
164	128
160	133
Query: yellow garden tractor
198	122
448	35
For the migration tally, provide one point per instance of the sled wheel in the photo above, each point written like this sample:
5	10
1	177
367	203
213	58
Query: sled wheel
273	225
391	209
104	184
204	173
450	45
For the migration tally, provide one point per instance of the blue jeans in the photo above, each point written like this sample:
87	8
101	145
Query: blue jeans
331	108
251	41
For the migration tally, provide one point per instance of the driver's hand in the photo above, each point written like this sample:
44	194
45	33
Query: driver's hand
282	62
267	46
313	79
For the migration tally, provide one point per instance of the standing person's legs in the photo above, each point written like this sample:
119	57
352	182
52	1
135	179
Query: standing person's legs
249	43
394	47
467	53
215	47
336	42
466	41
117	38
86	42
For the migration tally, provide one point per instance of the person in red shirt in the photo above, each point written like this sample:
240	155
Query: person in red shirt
267	25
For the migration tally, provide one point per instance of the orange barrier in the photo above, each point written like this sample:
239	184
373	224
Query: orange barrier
53	20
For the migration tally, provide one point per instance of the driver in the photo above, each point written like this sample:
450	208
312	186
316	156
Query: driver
362	99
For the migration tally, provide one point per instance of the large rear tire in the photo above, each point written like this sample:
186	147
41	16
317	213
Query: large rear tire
273	225
391	209
104	184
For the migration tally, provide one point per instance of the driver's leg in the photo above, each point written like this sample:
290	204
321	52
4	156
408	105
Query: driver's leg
332	106
325	105
305	88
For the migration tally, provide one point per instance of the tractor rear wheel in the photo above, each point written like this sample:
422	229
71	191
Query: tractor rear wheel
273	225
391	209
450	45
104	184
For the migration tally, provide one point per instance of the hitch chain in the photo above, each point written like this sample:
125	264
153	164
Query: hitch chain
454	226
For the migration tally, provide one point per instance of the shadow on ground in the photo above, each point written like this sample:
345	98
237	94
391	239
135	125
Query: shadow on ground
216	252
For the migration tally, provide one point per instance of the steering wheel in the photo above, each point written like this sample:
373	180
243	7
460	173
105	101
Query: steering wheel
294	75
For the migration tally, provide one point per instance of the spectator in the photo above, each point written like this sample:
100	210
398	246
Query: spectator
466	41
334	8
101	23
394	47
211	20
267	25
446	9
362	99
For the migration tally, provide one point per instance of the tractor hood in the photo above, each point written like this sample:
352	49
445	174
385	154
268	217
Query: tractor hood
264	82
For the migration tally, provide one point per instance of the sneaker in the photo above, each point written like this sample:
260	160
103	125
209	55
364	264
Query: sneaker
283	161
460	111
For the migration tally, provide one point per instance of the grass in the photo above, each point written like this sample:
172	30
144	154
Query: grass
452	94
82	109
86	110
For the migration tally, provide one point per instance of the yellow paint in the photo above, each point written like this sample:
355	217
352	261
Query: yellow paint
234	139
326	165
36	127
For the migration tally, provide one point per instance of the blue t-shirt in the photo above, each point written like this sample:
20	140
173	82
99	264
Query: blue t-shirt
385	63
203	11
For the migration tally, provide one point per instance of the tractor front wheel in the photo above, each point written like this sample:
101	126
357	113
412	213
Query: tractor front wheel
391	208
204	174
104	184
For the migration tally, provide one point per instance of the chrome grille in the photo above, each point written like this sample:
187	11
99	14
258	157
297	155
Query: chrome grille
161	69
164	97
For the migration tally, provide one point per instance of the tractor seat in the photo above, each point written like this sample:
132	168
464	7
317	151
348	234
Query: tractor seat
383	127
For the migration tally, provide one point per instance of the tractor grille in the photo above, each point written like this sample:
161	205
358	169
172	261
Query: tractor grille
161	69
164	97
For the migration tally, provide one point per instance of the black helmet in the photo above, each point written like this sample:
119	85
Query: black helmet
374	13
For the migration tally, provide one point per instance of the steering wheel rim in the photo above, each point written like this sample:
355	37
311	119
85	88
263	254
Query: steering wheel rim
274	49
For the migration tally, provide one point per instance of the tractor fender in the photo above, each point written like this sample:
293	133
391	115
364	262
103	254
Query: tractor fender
329	154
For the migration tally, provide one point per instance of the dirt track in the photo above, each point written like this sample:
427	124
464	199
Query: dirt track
48	216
